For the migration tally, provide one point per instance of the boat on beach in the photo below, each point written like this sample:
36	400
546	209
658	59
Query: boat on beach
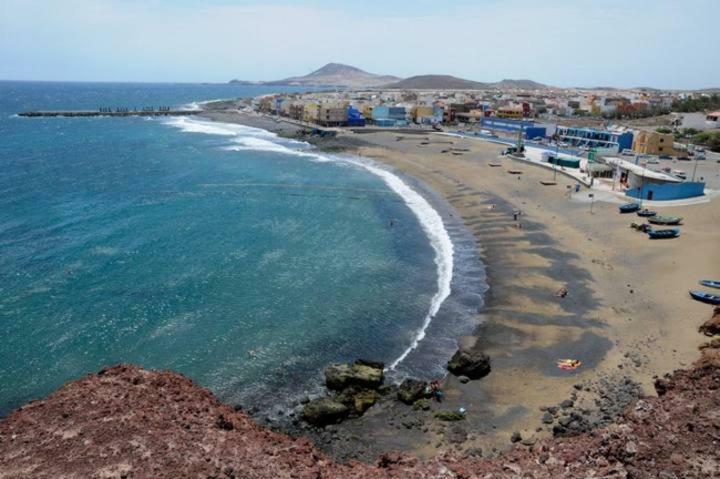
665	220
629	208
664	234
705	297
646	213
710	283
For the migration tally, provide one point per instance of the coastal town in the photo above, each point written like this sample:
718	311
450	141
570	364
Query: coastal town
495	257
625	141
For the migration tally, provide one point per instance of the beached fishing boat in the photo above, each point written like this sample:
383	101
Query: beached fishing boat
665	220
664	234
710	283
629	208
705	297
646	213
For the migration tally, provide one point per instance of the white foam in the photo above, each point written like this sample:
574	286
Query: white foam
434	228
256	139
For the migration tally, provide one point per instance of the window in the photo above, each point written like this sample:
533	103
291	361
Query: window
660	149
662	140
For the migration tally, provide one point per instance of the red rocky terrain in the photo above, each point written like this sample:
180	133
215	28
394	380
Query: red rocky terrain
129	422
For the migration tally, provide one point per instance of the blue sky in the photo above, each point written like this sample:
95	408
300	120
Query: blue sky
660	43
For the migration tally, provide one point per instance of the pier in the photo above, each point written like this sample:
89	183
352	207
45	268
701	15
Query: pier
147	111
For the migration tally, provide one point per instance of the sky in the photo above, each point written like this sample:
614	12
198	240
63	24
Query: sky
658	43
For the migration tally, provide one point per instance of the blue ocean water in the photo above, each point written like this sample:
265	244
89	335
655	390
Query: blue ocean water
245	261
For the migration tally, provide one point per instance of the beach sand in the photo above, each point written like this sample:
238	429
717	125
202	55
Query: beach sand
627	315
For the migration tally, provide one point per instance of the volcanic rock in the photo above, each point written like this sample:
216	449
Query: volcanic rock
323	411
473	364
360	374
410	390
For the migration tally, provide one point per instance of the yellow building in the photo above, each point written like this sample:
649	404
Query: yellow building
653	143
312	112
421	111
514	112
366	111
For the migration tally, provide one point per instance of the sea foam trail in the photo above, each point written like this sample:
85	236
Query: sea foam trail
257	139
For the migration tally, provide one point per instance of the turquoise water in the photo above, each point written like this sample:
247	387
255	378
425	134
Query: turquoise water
245	261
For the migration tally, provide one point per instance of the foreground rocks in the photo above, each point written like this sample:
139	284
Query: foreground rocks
471	364
354	388
129	422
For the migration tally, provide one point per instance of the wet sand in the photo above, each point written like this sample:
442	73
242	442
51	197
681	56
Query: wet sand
627	315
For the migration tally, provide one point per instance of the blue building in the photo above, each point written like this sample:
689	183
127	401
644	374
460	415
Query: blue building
530	130
592	138
389	113
355	118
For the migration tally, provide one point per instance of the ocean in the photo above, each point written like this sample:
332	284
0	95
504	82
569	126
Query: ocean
243	260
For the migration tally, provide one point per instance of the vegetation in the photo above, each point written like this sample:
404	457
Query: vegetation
664	130
711	139
703	103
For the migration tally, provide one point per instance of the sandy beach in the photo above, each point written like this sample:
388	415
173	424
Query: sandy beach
627	315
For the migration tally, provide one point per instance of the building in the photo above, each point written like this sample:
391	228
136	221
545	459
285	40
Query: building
642	183
311	112
389	115
512	112
355	117
713	119
612	141
530	129
333	115
422	113
653	143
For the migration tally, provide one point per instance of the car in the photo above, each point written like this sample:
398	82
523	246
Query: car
683	158
665	157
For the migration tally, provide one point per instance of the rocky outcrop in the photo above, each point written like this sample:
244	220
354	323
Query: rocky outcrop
324	411
129	422
410	390
711	327
362	374
472	364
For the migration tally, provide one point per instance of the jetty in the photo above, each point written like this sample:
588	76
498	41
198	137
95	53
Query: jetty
146	111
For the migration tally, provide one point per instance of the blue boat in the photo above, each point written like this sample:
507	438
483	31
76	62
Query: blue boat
629	208
705	297
664	234
646	213
710	283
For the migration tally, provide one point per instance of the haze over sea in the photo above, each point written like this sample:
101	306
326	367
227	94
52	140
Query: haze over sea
245	261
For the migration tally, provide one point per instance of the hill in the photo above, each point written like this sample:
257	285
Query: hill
436	82
449	82
335	75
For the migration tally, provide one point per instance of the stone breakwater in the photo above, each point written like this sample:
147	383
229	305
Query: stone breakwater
125	421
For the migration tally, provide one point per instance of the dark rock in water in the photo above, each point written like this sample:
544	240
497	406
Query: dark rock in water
548	418
364	400
410	390
463	379
473	364
370	363
568	403
449	416
516	437
323	411
341	376
423	404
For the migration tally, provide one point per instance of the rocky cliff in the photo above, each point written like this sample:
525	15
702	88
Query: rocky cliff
129	422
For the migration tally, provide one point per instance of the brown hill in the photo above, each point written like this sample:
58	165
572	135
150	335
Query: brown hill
129	422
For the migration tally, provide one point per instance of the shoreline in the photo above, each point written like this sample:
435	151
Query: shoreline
525	328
